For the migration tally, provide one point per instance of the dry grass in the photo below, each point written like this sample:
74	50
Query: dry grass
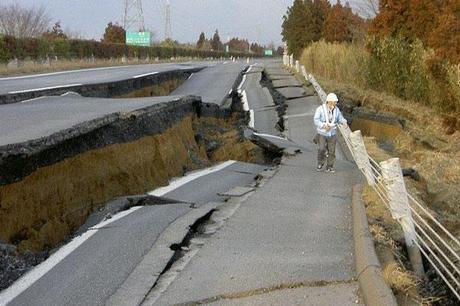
424	145
346	63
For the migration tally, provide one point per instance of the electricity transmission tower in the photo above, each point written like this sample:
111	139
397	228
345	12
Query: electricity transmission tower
133	17
168	31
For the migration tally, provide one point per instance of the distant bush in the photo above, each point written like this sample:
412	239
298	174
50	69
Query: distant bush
36	49
4	52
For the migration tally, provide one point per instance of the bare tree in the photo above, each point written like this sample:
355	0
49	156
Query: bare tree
23	22
366	8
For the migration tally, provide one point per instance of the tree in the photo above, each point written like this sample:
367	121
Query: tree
55	33
216	44
114	34
23	22
240	45
201	41
342	24
445	37
303	23
407	19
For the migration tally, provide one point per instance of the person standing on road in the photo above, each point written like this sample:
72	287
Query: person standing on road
327	116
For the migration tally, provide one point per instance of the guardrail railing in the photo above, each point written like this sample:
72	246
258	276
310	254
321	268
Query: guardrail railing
423	233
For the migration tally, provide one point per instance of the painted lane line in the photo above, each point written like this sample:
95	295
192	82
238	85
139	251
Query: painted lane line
299	115
44	88
245	101
57	73
39	271
251	123
145	74
242	82
190	77
31	100
174	184
270	136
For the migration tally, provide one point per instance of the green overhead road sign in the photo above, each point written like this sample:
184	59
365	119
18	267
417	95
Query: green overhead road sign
138	38
268	52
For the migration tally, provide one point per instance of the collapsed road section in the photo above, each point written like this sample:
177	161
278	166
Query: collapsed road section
63	158
50	184
105	82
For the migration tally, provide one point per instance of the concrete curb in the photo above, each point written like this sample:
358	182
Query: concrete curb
373	287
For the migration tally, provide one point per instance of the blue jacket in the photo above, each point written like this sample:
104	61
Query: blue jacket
320	120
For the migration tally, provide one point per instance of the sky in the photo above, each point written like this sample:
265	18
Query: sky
256	20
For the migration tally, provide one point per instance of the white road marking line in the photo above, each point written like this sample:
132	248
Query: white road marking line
34	99
242	82
190	77
57	73
270	136
145	74
251	118
244	99
188	178
299	115
37	272
224	63
44	88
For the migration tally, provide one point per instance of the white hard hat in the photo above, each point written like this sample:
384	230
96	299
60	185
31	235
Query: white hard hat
332	97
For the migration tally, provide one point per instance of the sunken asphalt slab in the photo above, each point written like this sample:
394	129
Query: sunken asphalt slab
96	269
212	84
44	116
295	230
260	101
90	76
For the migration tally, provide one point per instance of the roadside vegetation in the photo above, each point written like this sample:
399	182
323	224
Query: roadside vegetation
30	42
404	62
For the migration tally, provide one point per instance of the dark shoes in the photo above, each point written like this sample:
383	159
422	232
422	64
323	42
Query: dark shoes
330	169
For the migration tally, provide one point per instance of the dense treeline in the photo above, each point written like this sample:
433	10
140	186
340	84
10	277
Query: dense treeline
42	48
308	21
411	48
234	45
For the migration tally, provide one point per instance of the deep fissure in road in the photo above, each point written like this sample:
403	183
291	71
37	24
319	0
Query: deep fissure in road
48	200
279	100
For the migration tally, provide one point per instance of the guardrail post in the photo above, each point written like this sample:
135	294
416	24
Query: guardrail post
304	72
291	60
399	206
297	66
360	155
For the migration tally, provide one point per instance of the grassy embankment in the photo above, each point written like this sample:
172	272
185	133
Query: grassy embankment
401	85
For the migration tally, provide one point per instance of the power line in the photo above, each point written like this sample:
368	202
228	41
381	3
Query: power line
133	17
168	32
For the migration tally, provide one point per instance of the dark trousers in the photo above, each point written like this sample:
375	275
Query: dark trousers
326	144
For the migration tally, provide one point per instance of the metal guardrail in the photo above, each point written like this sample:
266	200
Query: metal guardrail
423	233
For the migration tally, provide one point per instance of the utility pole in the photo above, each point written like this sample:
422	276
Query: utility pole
168	34
133	17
